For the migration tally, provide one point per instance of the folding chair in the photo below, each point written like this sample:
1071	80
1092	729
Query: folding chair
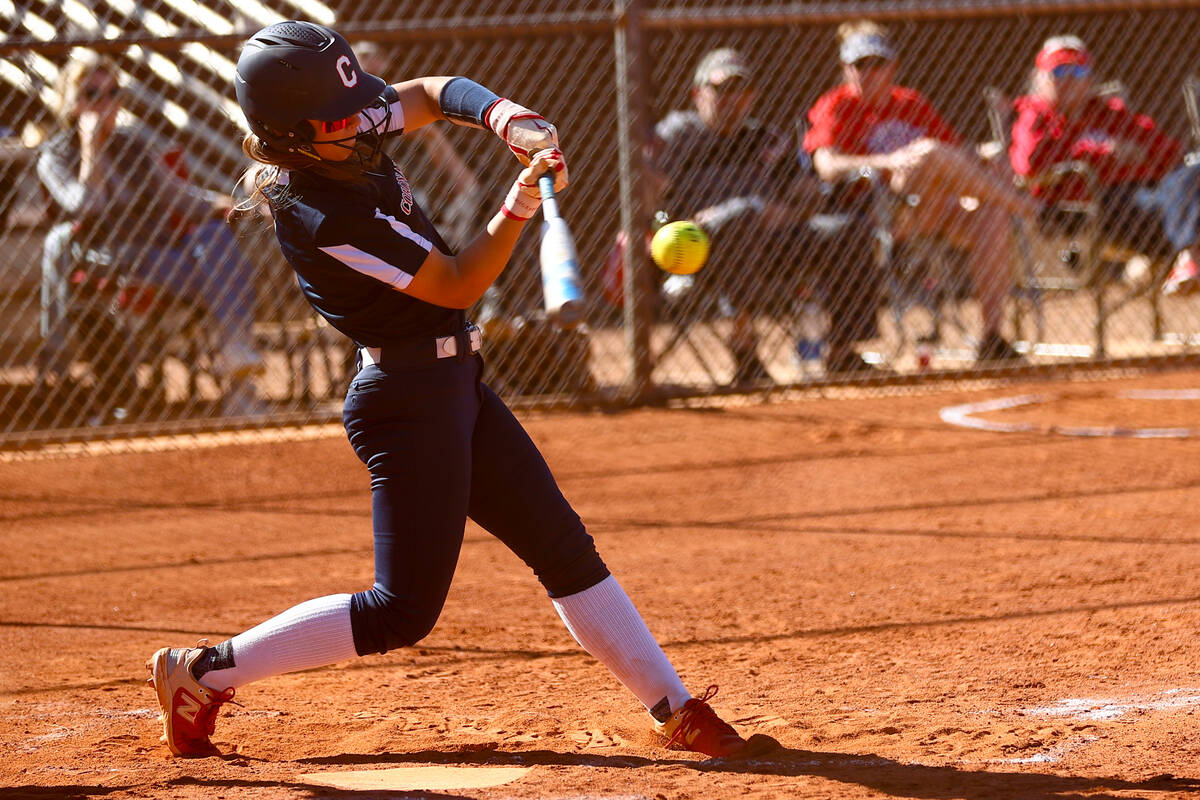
929	274
1080	259
120	327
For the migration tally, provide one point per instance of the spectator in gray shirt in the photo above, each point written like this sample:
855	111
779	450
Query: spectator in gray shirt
114	191
747	186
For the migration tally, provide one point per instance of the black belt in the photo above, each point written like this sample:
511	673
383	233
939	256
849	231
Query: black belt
415	352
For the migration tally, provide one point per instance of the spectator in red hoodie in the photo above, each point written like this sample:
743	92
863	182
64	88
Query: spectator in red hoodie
1148	200
871	123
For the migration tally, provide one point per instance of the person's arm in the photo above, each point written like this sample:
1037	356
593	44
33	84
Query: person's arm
1129	147
75	196
1037	143
833	166
419	100
459	281
462	101
831	163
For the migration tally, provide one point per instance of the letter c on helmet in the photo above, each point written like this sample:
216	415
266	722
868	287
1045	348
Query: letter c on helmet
349	77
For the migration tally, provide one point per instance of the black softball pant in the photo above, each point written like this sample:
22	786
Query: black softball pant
441	446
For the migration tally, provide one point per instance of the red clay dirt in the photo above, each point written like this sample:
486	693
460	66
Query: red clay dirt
912	609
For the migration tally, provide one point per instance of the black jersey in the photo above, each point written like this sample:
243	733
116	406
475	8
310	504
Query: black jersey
356	247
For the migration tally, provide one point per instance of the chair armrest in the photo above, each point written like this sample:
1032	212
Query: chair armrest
1057	173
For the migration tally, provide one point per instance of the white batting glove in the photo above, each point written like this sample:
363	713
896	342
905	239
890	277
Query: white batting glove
524	131
544	161
524	198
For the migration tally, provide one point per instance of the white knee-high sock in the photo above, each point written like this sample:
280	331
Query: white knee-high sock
605	623
312	634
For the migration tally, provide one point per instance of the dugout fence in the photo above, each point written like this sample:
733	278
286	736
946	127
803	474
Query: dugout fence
117	338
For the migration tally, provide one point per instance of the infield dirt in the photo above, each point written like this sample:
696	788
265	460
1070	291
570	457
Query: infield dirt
911	609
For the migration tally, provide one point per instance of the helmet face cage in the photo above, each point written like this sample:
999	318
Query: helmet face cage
372	135
291	72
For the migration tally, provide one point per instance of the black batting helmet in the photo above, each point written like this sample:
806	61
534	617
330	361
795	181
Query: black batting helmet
292	71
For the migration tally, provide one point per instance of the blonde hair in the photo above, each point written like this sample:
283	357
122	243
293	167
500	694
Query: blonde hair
83	64
260	178
860	27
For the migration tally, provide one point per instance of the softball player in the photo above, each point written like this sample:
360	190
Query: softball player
439	445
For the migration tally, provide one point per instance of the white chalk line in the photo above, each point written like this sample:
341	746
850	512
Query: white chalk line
1094	708
963	416
1098	709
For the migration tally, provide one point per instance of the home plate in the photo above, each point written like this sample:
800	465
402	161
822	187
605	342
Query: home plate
416	778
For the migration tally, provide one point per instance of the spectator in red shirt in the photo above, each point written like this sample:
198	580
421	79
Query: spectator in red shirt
1148	201
871	124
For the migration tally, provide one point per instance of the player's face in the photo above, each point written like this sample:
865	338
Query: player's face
872	77
1067	85
723	108
334	140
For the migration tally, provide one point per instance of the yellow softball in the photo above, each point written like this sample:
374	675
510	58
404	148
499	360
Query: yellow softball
680	247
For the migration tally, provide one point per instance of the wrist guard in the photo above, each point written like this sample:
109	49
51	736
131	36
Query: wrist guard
465	102
522	202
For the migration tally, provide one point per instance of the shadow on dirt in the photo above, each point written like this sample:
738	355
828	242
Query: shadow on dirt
222	786
57	792
873	772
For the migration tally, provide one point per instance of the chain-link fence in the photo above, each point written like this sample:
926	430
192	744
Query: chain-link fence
878	207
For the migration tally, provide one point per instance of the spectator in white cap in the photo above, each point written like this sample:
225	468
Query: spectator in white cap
870	124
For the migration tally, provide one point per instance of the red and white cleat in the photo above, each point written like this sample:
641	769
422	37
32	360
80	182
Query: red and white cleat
697	727
189	708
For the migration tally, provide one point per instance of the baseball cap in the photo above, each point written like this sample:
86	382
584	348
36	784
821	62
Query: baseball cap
858	46
720	65
1060	50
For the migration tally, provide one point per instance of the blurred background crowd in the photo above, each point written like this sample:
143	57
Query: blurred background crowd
944	189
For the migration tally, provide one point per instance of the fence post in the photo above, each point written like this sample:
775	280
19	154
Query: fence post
632	137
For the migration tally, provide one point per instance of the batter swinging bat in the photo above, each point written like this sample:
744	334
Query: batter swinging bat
561	289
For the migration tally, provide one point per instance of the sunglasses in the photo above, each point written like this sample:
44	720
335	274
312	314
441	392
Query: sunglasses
730	88
96	93
1071	71
871	62
335	125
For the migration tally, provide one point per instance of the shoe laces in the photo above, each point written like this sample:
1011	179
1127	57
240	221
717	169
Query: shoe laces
698	713
206	717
